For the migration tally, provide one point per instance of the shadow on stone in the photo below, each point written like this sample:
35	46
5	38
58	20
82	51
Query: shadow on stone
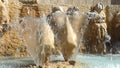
72	62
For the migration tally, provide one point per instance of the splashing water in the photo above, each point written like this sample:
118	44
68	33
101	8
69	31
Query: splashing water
110	61
39	38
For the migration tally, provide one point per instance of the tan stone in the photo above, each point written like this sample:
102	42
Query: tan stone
4	12
29	11
10	42
65	38
39	39
77	20
115	26
97	31
14	10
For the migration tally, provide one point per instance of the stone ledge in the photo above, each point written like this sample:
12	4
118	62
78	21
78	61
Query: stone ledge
29	63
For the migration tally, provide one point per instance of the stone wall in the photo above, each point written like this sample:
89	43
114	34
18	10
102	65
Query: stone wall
84	5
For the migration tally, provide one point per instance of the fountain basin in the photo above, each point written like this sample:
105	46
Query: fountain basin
56	62
83	61
100	61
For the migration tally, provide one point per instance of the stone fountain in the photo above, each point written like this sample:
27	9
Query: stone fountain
25	23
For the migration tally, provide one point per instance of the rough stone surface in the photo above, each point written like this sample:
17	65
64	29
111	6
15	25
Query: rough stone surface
12	45
4	12
29	11
17	9
14	10
65	37
71	64
39	39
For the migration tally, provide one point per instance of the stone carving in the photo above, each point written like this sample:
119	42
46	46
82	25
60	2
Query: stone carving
97	30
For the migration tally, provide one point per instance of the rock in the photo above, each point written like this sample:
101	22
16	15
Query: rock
115	27
4	12
14	10
113	23
29	11
67	65
28	1
44	9
115	32
10	42
97	30
65	38
39	39
77	21
53	64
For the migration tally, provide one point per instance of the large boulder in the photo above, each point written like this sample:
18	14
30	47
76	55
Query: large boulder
65	37
78	22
